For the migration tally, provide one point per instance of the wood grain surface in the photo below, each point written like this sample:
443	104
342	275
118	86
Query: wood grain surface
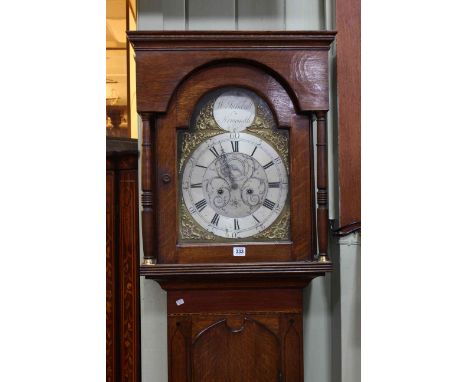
302	61
235	335
348	59
122	262
111	268
300	152
248	352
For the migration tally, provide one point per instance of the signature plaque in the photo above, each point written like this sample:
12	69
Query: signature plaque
234	111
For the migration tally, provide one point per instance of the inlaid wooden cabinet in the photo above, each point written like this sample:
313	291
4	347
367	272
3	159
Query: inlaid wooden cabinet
234	224
122	262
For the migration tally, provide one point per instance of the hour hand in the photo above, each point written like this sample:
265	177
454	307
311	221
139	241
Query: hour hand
226	168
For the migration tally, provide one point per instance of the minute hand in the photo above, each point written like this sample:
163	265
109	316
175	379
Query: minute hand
227	167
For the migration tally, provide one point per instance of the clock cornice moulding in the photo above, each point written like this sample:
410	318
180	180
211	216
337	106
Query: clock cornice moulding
176	40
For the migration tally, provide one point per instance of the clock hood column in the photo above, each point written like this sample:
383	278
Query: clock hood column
322	186
147	217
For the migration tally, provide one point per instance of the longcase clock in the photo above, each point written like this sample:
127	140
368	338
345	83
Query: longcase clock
234	214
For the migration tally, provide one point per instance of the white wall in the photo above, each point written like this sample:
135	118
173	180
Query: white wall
331	303
346	310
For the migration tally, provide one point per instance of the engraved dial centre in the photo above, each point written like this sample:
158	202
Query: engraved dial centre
235	185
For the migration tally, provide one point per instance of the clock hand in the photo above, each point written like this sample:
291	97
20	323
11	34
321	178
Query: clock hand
227	167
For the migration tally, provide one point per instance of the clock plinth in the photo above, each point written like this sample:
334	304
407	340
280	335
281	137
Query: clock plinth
231	215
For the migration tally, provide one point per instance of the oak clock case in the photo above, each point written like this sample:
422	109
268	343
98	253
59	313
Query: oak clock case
234	225
233	171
